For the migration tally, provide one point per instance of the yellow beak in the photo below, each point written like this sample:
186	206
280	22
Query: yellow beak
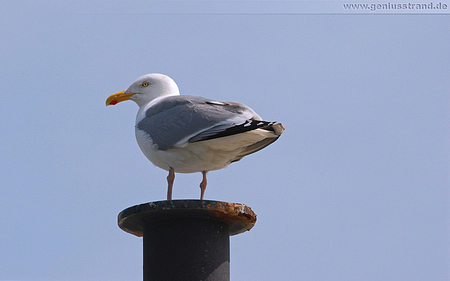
118	97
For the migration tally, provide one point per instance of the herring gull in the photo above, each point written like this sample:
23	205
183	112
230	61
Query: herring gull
188	134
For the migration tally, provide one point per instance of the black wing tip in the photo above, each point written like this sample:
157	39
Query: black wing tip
247	126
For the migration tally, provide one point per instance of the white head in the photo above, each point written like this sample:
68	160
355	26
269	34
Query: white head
145	89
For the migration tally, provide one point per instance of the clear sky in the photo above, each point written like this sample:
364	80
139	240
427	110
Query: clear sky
357	187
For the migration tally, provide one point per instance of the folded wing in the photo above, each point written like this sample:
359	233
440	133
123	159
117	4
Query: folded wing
177	121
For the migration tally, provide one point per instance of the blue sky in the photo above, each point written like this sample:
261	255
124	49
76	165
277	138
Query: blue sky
357	188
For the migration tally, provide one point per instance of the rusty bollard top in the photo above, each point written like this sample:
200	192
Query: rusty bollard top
239	217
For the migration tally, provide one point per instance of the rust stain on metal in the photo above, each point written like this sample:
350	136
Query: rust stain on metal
233	213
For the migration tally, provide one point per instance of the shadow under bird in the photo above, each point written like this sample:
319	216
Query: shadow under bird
188	134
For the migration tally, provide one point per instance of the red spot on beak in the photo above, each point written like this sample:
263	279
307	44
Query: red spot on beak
114	102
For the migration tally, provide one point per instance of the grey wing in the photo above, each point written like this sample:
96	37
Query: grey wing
177	120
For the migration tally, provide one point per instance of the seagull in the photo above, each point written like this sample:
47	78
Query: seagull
189	134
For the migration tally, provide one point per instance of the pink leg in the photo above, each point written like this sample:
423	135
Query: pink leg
203	185
170	180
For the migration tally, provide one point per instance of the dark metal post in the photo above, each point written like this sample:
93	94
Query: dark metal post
187	239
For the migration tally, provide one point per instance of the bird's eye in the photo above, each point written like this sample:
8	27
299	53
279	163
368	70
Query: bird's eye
145	84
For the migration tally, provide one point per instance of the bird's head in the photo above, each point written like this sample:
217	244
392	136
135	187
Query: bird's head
145	89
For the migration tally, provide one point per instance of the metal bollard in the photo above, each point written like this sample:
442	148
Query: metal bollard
187	239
